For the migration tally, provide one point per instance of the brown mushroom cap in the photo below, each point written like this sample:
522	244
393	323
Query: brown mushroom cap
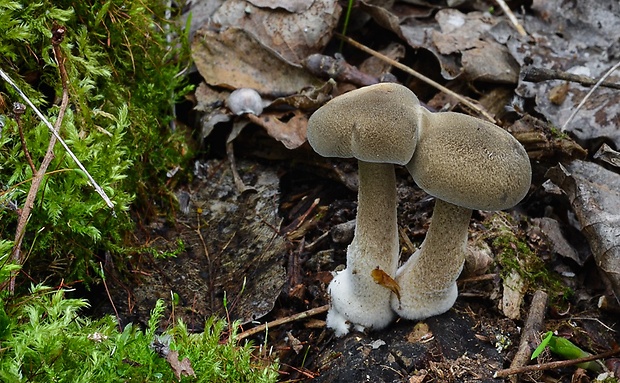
376	123
470	162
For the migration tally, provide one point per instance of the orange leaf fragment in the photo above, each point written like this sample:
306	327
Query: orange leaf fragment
382	278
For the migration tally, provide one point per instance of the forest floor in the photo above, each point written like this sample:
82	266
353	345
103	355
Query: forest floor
266	220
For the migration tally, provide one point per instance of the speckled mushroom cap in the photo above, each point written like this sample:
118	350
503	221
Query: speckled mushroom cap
377	123
470	162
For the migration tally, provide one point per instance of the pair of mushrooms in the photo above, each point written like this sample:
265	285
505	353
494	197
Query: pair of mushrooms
464	162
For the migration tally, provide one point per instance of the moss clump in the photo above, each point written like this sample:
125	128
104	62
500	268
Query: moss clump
125	62
514	253
45	339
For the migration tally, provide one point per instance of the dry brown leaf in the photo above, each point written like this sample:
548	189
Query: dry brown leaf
491	62
478	258
588	34
291	132
419	377
208	99
289	5
594	194
295	343
293	35
421	333
382	278
233	58
308	99
180	368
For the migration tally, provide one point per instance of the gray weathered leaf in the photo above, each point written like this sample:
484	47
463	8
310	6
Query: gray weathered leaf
594	194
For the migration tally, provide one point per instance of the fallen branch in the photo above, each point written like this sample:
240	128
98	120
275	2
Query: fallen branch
530	337
553	365
418	75
277	322
535	74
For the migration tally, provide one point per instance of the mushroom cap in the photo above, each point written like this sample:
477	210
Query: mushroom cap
377	123
245	100
470	162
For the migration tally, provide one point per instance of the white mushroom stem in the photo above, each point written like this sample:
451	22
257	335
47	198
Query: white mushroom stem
355	297
428	279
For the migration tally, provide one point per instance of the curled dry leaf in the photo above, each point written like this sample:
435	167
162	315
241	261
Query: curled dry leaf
478	258
421	333
234	58
289	5
382	278
551	229
607	154
290	131
307	99
180	368
293	35
594	194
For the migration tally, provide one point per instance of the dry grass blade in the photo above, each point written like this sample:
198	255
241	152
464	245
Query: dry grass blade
587	96
511	16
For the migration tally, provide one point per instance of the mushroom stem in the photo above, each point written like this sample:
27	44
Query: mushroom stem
428	279
355	297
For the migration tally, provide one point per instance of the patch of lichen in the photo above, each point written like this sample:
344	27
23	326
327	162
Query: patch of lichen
514	252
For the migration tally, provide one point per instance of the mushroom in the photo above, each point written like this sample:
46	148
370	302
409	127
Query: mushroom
376	125
466	163
245	100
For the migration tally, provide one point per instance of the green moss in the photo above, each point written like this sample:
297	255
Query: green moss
125	76
47	340
514	253
558	134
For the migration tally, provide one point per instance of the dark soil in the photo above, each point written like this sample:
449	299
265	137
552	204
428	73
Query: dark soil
268	254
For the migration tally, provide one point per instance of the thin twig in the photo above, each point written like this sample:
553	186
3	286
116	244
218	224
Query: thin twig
511	16
98	188
477	278
277	322
598	83
18	110
105	285
38	177
209	264
536	74
553	365
417	75
230	153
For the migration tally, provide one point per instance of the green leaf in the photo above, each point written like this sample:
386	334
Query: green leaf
546	338
567	350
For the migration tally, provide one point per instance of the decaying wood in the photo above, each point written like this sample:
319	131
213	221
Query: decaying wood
536	74
530	337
